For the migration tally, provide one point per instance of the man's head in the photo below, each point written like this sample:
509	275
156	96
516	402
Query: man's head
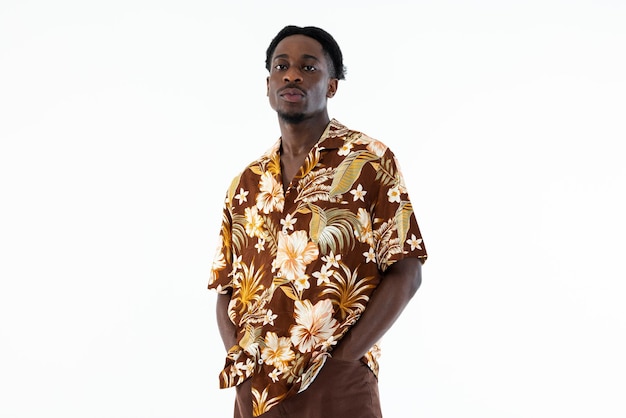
302	74
329	45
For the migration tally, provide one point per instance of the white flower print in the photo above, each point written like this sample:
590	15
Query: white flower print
270	196
376	147
288	222
314	324
414	242
345	149
295	252
242	195
274	374
260	245
302	283
269	317
324	275
329	343
332	259
254	222
244	369
394	194
370	256
358	193
236	263
277	351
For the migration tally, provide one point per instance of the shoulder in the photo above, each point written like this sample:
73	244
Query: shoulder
349	140
249	177
375	146
376	151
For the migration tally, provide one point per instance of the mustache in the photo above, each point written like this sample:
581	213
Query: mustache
291	86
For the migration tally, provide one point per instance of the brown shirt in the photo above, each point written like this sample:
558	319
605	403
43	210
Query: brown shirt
302	264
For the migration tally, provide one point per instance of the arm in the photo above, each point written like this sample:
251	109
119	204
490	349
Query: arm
228	332
399	284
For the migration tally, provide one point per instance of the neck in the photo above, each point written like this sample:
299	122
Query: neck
299	138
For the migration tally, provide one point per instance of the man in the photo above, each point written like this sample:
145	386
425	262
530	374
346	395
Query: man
319	251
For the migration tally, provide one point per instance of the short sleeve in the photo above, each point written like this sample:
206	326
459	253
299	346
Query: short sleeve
396	232
220	278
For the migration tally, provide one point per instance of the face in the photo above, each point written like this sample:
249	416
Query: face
300	82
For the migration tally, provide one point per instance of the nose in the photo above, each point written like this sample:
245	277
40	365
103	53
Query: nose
292	75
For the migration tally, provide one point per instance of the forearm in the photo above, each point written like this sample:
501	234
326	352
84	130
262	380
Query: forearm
227	329
398	286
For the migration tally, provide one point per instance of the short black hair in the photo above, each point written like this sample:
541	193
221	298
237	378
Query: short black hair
329	45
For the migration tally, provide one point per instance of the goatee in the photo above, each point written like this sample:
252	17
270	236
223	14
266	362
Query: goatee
292	118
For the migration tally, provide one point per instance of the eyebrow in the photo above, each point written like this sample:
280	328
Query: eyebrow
305	56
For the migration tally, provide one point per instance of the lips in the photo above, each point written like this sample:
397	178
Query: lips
291	94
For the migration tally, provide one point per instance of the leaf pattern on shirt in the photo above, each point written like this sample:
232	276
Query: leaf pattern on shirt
248	287
236	234
335	229
349	171
312	187
403	219
310	162
386	173
349	291
261	402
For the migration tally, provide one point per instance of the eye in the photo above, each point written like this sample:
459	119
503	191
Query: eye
309	68
280	67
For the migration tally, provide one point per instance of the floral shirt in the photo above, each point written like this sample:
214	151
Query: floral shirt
302	263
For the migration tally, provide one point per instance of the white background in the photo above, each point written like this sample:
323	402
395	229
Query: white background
122	123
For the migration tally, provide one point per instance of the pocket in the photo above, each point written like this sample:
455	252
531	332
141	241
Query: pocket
344	363
346	372
347	388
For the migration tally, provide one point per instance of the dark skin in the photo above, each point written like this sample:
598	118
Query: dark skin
299	86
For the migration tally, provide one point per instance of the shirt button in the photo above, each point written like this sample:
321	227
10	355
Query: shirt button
285	232
260	361
280	274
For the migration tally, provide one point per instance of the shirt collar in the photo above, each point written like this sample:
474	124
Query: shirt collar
333	137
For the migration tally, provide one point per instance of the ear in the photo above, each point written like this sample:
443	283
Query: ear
267	93
333	84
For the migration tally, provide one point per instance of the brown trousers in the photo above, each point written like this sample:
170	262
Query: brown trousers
343	389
